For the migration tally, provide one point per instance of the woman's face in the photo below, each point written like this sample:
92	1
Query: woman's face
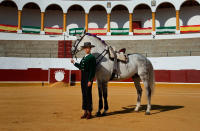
87	50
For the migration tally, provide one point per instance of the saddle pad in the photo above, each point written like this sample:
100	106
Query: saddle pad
120	55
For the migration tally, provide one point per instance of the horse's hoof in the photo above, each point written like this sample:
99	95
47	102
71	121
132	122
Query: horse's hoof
104	114
98	114
147	113
137	109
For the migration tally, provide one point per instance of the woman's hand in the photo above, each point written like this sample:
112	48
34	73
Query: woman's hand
89	83
72	61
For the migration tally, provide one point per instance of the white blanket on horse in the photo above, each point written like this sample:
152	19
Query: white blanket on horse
120	55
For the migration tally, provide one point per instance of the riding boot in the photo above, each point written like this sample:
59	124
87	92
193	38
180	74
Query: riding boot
84	115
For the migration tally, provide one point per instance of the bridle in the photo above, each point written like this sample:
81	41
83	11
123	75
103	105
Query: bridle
76	46
101	55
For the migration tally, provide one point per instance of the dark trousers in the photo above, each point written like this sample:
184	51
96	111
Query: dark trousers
86	92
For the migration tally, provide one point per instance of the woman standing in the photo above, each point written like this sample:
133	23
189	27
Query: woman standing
88	69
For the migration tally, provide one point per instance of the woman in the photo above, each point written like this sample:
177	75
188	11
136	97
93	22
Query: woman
88	68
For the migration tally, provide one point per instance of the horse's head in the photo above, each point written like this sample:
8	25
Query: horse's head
87	37
76	47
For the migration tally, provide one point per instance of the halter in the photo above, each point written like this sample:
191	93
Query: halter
75	46
105	51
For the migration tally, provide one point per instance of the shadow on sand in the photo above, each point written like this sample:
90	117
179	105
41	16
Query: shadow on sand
157	108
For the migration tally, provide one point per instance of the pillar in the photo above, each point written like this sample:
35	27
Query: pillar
86	22
153	23
19	21
64	22
42	23
177	22
130	24
108	24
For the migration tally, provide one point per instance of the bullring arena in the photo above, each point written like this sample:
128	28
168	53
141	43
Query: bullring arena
41	108
40	88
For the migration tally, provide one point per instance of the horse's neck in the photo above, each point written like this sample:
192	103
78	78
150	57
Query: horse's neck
99	46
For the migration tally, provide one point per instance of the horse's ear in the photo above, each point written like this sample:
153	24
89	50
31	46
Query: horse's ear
84	32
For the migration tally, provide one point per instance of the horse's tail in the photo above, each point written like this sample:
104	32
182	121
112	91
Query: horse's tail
151	78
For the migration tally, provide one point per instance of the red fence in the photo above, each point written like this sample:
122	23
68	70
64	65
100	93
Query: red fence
35	75
177	76
30	74
54	75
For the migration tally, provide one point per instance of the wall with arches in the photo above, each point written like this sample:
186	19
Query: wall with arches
97	18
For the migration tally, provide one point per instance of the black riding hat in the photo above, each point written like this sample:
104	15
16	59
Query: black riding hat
87	44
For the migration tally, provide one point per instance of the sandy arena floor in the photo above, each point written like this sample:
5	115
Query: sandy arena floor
59	109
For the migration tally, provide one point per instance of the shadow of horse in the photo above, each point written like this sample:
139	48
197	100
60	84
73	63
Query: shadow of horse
158	108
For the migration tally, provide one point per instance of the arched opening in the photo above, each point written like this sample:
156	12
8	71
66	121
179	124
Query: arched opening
123	20
190	13
75	19
142	16
53	16
8	13
165	15
119	21
97	17
165	19
31	18
97	20
142	20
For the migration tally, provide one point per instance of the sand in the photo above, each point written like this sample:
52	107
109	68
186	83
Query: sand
59	109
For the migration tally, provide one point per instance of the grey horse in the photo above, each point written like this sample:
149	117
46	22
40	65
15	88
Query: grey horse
138	67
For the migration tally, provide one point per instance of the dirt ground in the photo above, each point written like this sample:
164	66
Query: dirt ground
59	109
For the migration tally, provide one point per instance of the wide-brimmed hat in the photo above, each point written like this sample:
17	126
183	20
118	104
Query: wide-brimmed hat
87	44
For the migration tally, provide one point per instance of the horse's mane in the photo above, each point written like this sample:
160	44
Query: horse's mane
102	41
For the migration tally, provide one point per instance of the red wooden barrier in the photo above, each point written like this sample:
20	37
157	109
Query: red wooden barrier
33	74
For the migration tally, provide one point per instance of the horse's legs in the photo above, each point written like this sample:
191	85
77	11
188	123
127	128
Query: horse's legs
100	98
105	95
148	93
136	80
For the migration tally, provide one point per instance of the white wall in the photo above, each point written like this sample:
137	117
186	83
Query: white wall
159	63
18	36
119	19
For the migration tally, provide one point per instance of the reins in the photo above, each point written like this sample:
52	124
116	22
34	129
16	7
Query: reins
75	50
101	56
105	50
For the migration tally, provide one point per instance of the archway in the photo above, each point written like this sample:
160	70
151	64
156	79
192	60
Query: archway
190	13
142	20
10	17
53	16
165	15
97	17
31	18
142	16
75	20
119	17
119	20
97	20
165	18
